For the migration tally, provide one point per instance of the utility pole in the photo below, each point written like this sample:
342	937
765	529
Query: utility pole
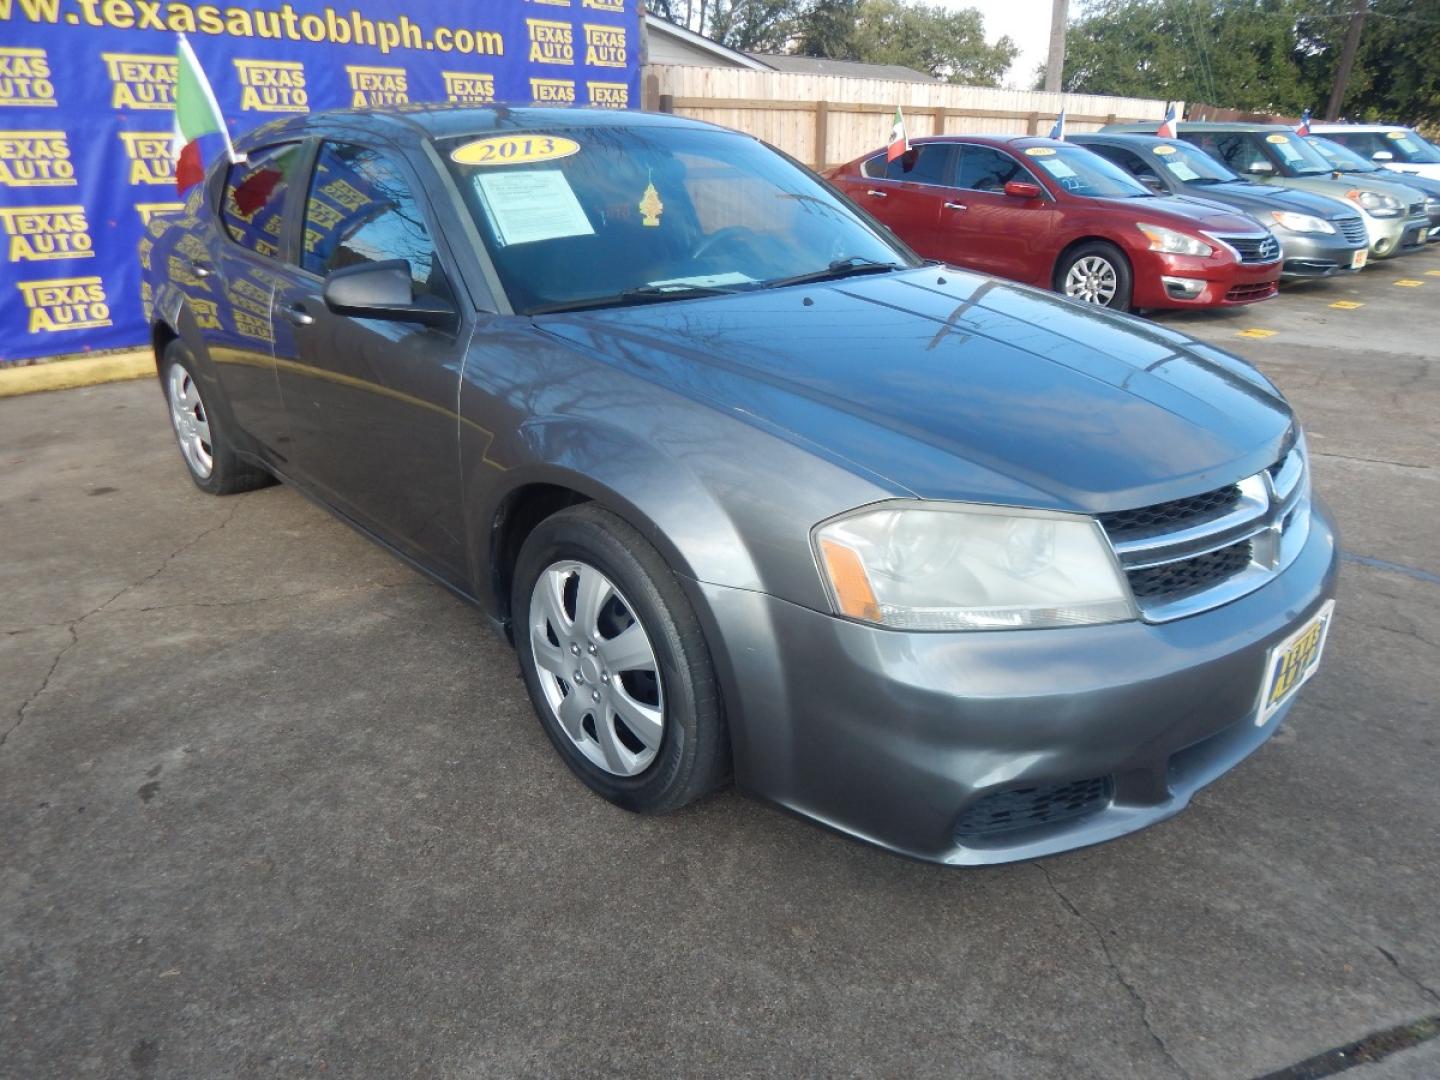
1055	63
1358	10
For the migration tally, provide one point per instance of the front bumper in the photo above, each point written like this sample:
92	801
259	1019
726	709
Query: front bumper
1316	256
1207	282
892	737
1397	236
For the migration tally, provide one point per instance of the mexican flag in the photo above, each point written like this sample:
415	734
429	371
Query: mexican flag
196	113
899	142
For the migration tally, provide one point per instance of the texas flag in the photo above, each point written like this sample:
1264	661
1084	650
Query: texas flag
1167	129
1304	128
197	113
1058	131
899	142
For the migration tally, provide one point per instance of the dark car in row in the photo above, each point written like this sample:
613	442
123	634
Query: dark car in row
1394	213
1052	214
952	565
1320	236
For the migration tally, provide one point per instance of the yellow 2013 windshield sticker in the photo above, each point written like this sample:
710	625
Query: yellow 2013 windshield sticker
514	150
1039	151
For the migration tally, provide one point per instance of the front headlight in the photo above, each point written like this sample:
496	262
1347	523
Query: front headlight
1172	242
1376	204
1301	223
970	567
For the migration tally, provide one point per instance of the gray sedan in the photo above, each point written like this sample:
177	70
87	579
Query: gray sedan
954	566
1319	235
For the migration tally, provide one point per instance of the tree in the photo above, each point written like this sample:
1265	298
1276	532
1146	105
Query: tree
948	44
1237	53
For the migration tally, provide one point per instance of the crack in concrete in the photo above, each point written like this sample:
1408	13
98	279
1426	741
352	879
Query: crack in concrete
73	627
1130	989
1406	973
1370	460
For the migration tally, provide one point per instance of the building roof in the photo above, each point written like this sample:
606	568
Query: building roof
852	69
655	24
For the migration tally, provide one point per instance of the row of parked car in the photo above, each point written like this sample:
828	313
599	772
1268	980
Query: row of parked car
1126	219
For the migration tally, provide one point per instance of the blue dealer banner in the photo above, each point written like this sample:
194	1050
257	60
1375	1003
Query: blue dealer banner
86	93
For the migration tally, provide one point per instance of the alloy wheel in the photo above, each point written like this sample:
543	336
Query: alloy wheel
597	668
191	421
1093	280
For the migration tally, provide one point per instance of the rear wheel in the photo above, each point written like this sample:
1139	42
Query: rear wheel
205	447
1096	273
615	663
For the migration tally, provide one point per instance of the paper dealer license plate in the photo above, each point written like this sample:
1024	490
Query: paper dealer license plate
1293	661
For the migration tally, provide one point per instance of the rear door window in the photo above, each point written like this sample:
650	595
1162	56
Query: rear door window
925	164
253	202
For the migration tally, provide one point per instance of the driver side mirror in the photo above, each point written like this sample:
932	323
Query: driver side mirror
1382	155
382	290
1022	189
1260	168
1151	181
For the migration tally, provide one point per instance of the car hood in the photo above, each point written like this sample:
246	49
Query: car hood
1260	199
1424	184
1181	214
952	385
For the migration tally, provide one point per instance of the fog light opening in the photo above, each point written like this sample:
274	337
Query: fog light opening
1180	288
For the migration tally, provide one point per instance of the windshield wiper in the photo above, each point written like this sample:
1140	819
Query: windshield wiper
641	294
838	268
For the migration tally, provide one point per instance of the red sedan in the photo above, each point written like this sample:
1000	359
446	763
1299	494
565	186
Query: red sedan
1053	214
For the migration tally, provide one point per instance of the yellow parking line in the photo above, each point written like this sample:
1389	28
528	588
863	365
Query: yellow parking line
1409	283
1347	305
1432	273
1256	332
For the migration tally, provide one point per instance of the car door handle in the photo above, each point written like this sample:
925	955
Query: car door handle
876	194
297	315
199	269
956	206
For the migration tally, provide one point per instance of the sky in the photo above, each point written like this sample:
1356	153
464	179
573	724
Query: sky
1027	22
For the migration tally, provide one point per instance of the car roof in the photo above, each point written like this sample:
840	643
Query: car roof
1201	125
447	120
1132	138
1367	128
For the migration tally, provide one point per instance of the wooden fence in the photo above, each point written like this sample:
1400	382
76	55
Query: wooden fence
827	120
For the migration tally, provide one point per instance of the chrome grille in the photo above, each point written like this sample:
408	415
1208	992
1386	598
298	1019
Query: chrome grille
1254	249
1353	229
1189	555
1166	516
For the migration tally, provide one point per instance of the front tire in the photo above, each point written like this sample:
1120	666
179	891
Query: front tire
615	663
205	446
1097	273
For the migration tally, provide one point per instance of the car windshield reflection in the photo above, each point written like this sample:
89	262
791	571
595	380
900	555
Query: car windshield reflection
629	215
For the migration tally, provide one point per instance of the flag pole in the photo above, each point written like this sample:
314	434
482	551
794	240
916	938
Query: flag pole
235	158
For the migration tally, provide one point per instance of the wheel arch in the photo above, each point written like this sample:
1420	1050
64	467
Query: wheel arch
1080	241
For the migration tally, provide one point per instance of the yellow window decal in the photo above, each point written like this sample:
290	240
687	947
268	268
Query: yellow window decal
514	150
1040	151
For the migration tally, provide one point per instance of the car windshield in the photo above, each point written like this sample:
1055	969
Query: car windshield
1299	157
1407	146
1341	158
601	216
1192	165
1081	172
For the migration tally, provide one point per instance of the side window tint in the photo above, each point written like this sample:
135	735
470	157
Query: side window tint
1128	160
253	202
984	169
920	165
874	167
360	210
